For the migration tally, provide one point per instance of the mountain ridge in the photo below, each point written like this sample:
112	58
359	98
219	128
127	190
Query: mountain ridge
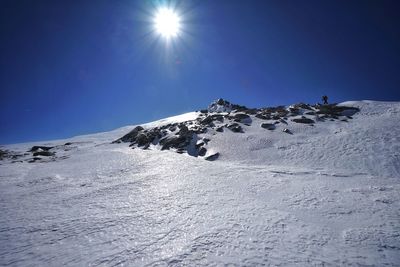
326	194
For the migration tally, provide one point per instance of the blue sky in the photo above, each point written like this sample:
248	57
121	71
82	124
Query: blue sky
76	67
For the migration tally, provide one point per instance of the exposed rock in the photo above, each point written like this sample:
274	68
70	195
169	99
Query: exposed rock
268	126
202	151
209	119
287	131
173	142
43	153
235	127
212	157
180	150
251	111
40	148
131	136
303	106
335	110
34	159
294	111
263	117
200	130
142	139
220	106
276	117
182	137
199	144
241	117
304	120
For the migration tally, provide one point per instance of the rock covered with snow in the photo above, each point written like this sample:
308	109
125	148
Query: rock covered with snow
221	114
219	106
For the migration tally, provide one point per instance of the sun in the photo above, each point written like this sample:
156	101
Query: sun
167	23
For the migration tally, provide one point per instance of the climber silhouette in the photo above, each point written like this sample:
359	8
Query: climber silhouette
325	99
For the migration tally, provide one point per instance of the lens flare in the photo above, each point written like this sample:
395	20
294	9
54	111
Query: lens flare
167	23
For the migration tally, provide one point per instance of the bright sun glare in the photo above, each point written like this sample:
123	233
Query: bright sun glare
167	23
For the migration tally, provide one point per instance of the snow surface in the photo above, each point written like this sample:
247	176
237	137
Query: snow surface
326	195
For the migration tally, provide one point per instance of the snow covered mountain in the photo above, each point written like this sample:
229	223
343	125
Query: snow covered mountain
303	185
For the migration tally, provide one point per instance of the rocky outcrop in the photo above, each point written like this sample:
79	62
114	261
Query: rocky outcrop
235	127
268	126
193	137
131	136
304	120
212	157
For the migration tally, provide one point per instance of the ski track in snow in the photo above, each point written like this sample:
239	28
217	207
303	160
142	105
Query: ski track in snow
111	205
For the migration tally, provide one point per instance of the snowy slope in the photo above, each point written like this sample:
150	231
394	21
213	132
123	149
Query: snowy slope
327	194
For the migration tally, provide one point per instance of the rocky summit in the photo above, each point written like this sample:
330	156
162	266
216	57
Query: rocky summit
193	136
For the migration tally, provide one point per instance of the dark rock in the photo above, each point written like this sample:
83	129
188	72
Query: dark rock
43	153
173	142
220	129
335	110
251	111
241	117
268	126
68	144
276	117
142	139
263	117
204	111
234	127
200	130
131	136
206	140
206	120
183	130
239	108
40	148
34	159
304	120
287	131
180	150
199	144
222	102
202	151
209	119
303	106
3	154
294	111
212	157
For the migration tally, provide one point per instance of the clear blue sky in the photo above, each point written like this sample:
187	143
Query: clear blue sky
74	67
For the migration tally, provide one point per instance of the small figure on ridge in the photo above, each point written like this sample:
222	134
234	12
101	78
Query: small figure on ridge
325	99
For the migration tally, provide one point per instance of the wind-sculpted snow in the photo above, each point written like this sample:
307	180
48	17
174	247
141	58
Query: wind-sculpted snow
275	199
